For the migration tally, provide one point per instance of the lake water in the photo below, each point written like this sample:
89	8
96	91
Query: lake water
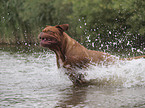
30	79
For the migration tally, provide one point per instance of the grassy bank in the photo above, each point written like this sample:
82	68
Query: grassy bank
117	25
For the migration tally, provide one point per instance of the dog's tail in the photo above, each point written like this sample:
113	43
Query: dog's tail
137	57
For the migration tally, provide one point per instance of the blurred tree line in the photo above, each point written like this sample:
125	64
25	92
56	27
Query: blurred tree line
97	24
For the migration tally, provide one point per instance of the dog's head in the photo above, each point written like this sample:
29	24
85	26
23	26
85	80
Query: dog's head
51	36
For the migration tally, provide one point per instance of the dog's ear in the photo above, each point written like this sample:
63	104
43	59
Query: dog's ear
45	29
63	27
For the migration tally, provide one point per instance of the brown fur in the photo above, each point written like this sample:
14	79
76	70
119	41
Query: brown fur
71	55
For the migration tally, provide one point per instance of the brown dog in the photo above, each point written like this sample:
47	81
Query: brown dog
72	55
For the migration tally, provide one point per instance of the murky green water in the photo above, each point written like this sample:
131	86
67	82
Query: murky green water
29	78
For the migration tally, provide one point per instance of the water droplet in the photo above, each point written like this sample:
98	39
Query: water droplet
93	44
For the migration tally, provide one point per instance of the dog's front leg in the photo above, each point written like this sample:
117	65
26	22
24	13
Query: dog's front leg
77	79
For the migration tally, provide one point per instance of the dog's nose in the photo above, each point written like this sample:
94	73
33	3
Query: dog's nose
39	36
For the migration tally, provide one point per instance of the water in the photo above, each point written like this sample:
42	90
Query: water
30	79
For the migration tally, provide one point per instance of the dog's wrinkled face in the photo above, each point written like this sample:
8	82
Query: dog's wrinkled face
51	36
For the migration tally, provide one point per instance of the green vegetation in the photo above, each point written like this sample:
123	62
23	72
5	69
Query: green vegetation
97	24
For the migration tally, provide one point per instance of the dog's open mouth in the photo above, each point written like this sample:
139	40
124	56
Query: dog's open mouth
48	41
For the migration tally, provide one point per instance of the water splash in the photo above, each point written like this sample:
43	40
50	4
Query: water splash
123	73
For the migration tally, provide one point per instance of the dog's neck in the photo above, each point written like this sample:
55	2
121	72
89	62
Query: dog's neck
62	49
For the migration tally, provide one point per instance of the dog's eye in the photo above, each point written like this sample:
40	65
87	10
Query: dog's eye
51	32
